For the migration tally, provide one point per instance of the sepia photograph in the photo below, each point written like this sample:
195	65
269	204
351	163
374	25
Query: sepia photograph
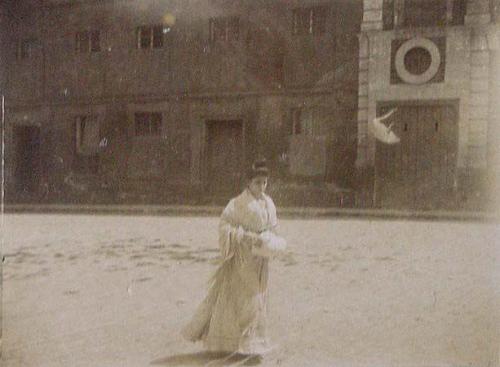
283	183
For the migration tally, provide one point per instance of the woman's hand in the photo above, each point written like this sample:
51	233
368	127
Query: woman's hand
254	238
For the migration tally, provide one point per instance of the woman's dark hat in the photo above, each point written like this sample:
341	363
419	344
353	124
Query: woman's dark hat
259	168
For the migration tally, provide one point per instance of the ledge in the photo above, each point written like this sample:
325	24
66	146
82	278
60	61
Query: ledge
289	212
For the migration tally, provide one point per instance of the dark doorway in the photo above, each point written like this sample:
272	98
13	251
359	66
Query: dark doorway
419	172
224	157
27	160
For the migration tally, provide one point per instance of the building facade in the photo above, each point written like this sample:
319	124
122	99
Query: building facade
436	62
170	100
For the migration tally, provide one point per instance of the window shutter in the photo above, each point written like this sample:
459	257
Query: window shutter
319	15
458	12
95	41
158	36
388	14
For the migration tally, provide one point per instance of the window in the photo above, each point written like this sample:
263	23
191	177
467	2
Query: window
180	165
458	12
275	70
417	60
308	121
26	48
88	41
388	14
418	13
495	10
87	135
423	13
309	20
149	37
87	138
224	29
147	123
296	122
307	142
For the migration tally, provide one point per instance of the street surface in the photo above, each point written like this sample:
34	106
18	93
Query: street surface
114	291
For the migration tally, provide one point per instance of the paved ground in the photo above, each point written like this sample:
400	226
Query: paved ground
83	290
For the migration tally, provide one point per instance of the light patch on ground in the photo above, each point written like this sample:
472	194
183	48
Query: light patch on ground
84	290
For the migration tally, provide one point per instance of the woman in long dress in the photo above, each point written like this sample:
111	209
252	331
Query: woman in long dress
232	318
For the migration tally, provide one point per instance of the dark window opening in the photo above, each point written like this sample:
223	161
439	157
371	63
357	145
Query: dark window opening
309	20
495	10
388	14
87	138
418	13
422	13
88	41
151	36
148	123
417	60
310	121
458	12
296	122
158	37
278	68
95	41
224	29
26	48
144	35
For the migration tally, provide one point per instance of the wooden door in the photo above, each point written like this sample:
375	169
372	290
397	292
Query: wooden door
419	172
27	159
396	164
224	157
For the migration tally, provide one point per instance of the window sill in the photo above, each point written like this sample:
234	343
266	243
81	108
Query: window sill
430	29
85	175
27	61
303	36
151	49
149	137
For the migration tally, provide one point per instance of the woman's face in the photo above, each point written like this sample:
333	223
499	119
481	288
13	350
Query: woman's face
258	185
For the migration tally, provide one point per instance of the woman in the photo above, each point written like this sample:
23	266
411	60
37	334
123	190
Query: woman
232	318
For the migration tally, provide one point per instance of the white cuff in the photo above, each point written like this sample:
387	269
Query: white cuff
239	233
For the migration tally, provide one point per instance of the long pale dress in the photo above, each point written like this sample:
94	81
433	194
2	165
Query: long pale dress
232	318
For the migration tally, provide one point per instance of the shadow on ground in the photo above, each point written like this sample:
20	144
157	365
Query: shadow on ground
208	359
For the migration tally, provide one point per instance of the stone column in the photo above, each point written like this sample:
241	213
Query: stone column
478	100
362	158
475	175
494	118
372	22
